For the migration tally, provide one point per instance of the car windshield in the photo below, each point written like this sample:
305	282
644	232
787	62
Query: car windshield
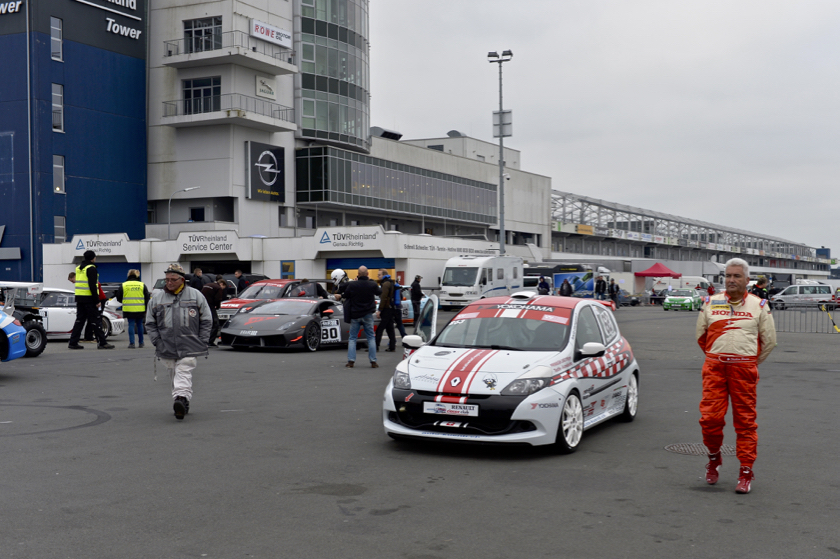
521	334
459	277
682	293
262	291
290	307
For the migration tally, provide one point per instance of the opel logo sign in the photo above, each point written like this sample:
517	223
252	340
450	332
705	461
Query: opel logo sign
268	168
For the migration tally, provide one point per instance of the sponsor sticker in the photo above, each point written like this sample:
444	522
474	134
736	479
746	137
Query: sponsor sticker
468	315
553	318
440	408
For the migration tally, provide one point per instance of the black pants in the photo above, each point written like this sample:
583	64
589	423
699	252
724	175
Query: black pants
416	306
386	322
214	330
87	312
398	321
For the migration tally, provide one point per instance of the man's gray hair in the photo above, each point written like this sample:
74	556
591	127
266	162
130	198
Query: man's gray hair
738	262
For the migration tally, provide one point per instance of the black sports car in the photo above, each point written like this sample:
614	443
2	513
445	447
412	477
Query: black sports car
285	322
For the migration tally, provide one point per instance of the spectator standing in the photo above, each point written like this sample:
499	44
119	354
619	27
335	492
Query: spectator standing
416	297
760	288
386	311
613	290
241	282
542	287
566	289
361	303
214	293
711	290
398	309
196	279
600	288
134	296
87	299
179	322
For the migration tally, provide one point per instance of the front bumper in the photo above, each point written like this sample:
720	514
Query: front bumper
531	420
678	306
275	340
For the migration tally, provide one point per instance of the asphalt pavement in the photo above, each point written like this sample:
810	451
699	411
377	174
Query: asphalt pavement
283	455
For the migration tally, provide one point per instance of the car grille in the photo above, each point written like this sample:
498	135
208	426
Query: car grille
254	341
492	419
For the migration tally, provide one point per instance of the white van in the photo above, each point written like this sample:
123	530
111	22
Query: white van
802	296
469	278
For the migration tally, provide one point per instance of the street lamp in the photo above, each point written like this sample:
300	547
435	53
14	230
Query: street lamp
169	225
502	127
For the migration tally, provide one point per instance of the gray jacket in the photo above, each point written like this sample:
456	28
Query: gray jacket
179	325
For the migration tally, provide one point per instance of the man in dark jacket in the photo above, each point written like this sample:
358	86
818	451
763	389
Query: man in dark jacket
566	289
386	311
361	303
214	293
416	297
196	281
87	300
600	288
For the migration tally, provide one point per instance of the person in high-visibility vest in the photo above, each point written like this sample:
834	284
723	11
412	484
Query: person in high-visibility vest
87	301
134	295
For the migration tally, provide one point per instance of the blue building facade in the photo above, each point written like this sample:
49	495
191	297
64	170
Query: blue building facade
72	125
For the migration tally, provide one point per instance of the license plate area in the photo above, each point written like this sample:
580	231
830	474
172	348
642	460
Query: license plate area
247	332
459	410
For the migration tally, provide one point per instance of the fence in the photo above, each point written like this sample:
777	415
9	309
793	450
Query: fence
806	320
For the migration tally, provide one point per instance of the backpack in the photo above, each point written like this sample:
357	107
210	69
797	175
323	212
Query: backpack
397	296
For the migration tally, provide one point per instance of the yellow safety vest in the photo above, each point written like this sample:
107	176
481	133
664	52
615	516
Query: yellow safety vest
133	299
82	283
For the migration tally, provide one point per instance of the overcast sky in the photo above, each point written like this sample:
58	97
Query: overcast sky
725	112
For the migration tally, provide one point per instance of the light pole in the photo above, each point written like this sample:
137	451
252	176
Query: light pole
502	127
169	213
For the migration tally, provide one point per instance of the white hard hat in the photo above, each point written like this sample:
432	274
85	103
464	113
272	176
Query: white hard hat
338	275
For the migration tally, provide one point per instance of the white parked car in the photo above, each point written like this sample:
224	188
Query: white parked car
520	369
58	308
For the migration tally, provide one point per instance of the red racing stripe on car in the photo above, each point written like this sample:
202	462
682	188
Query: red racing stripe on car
471	376
462	370
451	399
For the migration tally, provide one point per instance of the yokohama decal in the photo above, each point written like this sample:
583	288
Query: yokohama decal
461	373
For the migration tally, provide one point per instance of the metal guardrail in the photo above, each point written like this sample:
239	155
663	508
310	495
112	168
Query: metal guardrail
228	102
805	320
218	41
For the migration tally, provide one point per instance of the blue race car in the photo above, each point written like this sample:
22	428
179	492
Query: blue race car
12	338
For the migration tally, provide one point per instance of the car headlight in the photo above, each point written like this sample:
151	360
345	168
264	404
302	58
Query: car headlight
529	382
285	327
401	376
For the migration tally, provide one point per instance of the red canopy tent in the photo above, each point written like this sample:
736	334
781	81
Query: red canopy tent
658	271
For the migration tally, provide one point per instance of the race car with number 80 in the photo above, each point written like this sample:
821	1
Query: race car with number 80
525	369
312	323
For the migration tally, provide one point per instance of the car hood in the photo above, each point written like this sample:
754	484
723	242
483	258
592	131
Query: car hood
473	371
239	303
262	321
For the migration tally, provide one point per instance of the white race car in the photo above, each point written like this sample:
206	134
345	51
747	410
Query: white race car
58	309
525	369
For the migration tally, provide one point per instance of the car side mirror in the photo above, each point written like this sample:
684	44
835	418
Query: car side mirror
412	342
590	349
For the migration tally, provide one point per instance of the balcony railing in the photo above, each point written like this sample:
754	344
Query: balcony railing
228	39
228	102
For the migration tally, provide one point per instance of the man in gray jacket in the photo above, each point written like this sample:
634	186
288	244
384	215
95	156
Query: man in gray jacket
178	321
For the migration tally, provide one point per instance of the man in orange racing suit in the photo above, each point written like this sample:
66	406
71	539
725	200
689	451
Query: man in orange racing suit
736	332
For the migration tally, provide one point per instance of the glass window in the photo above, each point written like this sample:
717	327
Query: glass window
203	34
59	228
57	107
500	273
56	41
587	329
58	174
202	95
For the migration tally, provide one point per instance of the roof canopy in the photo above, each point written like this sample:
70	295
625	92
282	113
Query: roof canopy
658	271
